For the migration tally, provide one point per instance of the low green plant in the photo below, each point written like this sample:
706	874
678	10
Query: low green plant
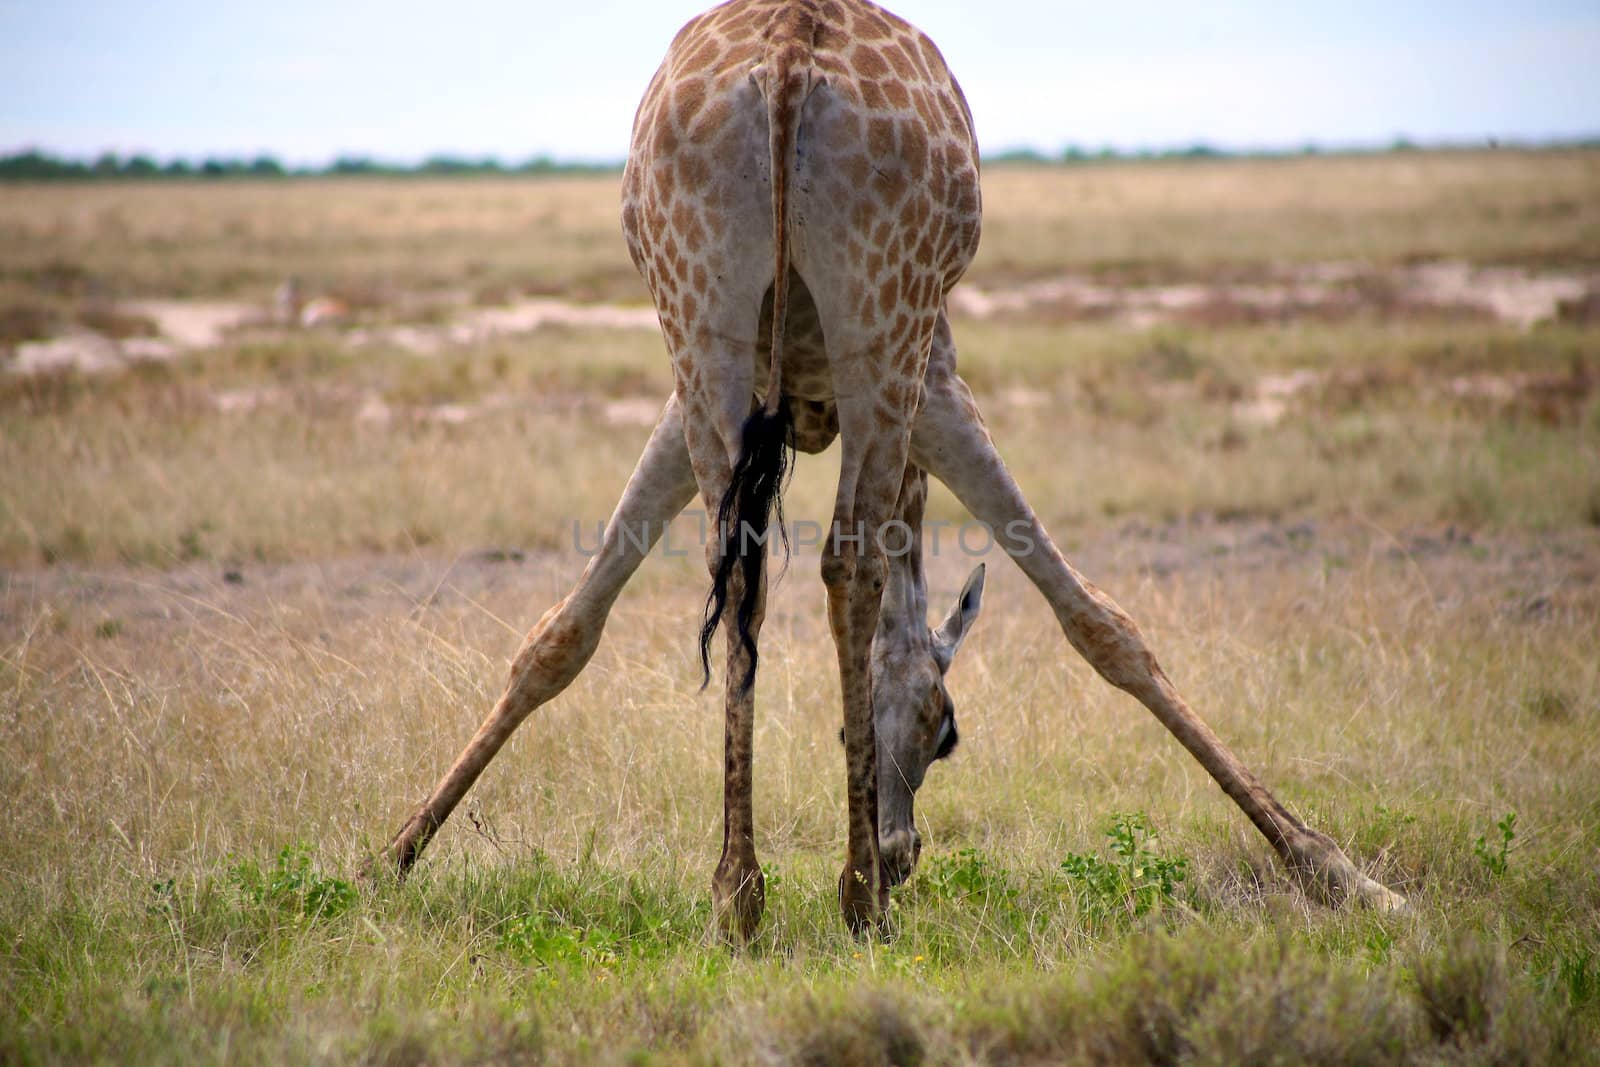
1379	944
1496	856
967	874
1577	975
292	886
1135	879
543	940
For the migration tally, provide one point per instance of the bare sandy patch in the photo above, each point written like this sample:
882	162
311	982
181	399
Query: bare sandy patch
1502	294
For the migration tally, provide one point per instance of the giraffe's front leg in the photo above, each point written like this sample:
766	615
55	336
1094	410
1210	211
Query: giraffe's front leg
854	577
950	442
855	571
560	644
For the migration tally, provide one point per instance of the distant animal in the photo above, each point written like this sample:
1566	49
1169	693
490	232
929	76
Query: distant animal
800	195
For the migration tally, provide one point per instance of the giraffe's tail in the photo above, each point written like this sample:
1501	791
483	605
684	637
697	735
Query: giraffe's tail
786	82
766	447
755	490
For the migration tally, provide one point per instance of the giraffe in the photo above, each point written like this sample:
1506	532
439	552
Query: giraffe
801	193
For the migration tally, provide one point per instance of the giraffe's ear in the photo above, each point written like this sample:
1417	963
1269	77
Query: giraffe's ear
948	637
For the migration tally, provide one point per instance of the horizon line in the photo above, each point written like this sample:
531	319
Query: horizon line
1198	147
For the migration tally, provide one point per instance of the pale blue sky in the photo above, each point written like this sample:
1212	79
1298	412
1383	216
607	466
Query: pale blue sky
307	80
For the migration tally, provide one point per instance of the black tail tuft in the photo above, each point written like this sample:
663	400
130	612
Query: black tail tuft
765	451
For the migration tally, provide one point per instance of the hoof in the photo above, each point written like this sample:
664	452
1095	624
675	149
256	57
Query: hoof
404	849
738	899
390	865
1380	898
861	902
1342	885
1328	873
378	870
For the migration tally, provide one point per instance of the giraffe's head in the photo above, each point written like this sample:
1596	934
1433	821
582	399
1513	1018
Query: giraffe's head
913	716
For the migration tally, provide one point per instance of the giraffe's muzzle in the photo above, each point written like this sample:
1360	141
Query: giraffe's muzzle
898	852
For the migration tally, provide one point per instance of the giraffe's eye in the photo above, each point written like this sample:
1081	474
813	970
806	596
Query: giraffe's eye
947	739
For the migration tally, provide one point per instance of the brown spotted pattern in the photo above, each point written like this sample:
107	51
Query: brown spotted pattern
885	201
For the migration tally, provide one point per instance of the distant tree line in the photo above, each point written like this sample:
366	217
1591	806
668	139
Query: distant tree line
1079	154
1201	150
33	165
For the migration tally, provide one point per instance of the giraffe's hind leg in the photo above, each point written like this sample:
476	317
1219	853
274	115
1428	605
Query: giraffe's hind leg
738	888
560	644
714	353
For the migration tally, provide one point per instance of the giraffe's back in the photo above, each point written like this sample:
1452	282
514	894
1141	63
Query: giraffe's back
884	189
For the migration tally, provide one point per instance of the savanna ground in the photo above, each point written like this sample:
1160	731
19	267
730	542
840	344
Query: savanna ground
1329	428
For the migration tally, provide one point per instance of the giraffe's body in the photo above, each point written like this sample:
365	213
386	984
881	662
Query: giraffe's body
812	156
882	192
800	195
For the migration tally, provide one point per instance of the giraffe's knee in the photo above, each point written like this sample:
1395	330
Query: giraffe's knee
837	569
556	649
872	571
1110	640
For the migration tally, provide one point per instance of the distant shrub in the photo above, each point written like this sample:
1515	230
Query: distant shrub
25	322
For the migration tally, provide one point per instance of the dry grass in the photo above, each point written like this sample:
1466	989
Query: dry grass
296	447
1206	220
1232	218
241	239
170	727
257	598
